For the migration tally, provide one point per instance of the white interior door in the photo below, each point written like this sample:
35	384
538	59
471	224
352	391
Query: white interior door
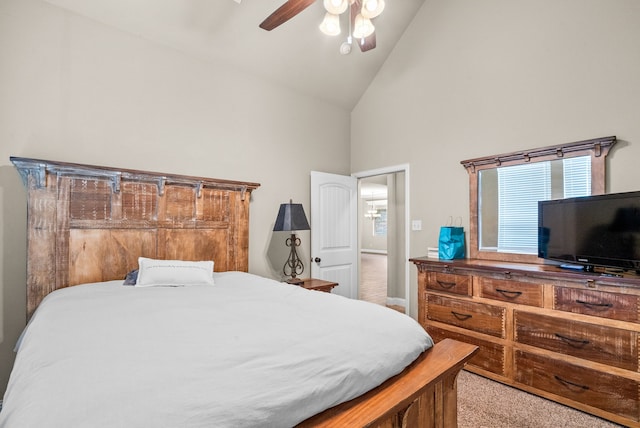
334	247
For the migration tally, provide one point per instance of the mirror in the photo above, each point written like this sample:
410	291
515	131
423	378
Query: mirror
504	190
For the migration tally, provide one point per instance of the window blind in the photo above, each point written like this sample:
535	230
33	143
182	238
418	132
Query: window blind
519	190
577	176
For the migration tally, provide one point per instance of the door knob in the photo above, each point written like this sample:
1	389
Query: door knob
317	260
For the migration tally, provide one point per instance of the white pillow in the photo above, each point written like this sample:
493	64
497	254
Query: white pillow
175	273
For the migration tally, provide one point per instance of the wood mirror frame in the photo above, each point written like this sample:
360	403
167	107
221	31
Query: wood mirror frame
596	148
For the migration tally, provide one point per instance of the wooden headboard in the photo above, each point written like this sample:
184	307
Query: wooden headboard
91	223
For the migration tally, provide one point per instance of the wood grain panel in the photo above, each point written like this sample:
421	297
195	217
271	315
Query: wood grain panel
214	205
449	283
89	199
41	243
490	356
605	391
180	204
597	303
478	317
524	293
607	345
104	255
139	201
196	244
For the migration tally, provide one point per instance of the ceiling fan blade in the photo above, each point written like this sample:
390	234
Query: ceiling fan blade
284	13
369	42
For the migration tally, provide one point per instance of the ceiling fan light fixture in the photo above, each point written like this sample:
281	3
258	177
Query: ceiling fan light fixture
345	48
363	27
336	7
330	25
372	8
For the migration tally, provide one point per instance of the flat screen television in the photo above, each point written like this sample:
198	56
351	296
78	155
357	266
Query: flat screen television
600	230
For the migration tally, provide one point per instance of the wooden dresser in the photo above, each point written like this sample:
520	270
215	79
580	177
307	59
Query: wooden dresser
568	336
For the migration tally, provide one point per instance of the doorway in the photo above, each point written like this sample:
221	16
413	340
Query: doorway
373	239
383	238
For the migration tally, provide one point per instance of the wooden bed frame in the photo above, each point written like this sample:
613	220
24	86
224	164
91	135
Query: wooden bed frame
91	223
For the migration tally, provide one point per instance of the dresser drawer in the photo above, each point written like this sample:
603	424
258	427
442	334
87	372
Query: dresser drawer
478	317
490	356
506	290
449	282
607	345
605	391
616	306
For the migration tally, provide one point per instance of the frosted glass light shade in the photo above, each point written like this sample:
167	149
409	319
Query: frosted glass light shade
336	7
362	27
372	8
330	25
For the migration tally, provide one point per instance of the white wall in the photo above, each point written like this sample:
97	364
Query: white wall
74	90
474	78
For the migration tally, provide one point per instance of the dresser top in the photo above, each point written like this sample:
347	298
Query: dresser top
540	270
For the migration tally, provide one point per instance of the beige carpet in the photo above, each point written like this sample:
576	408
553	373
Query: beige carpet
483	403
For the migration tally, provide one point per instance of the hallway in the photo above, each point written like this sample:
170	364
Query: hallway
373	280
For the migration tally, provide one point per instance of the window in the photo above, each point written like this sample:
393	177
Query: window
380	223
518	194
520	187
505	190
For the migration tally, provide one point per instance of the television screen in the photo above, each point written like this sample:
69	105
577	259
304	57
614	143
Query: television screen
602	230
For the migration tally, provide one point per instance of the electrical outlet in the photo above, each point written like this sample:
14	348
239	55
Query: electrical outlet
416	225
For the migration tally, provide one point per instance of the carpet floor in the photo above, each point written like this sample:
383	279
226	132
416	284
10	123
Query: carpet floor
483	403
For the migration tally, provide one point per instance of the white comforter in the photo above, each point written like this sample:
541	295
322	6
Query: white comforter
245	352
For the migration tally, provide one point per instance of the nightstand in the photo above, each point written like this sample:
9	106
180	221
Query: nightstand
313	284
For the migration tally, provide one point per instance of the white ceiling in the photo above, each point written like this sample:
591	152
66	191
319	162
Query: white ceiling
296	54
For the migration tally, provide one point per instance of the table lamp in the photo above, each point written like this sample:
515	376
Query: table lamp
291	218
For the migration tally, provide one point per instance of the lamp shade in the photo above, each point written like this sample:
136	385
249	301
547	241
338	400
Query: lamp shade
362	27
372	8
291	217
336	7
330	24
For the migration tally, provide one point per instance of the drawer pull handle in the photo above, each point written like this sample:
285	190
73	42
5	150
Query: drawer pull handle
446	285
595	305
461	317
509	294
568	383
571	341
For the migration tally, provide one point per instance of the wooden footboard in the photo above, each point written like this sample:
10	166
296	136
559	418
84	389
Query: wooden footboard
424	395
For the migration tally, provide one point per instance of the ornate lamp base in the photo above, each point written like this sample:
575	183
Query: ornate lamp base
293	266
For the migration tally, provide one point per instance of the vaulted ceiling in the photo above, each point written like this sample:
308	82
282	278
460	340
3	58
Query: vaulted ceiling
296	54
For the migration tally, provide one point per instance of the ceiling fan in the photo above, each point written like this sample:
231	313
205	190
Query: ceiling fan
360	14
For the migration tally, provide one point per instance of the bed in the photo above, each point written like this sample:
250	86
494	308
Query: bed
187	353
